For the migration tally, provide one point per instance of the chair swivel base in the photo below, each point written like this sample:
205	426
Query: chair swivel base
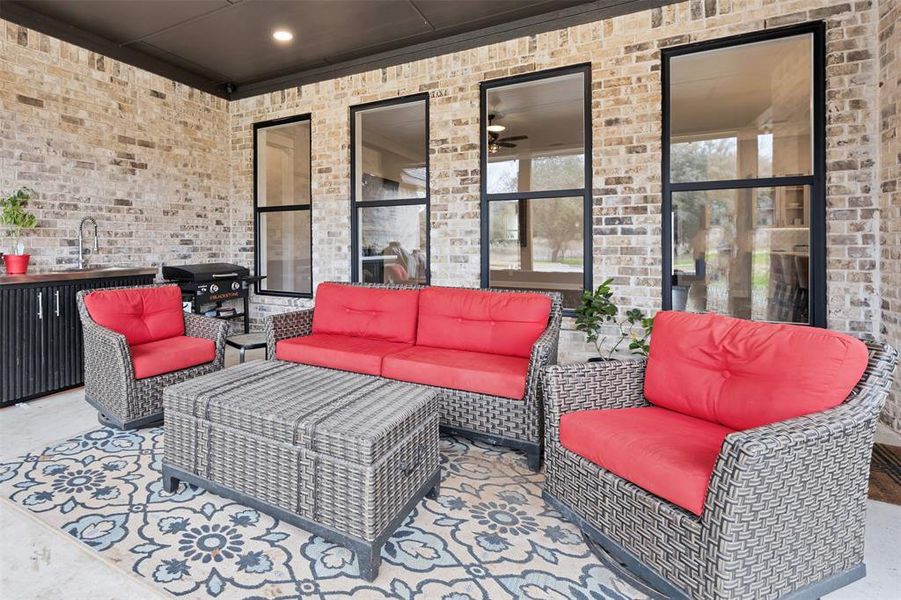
109	420
623	559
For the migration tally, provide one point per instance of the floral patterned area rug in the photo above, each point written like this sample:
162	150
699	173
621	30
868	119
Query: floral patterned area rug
488	536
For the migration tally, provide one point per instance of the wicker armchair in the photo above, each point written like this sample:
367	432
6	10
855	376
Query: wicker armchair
784	513
512	423
122	401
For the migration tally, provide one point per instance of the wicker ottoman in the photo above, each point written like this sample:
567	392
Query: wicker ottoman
341	455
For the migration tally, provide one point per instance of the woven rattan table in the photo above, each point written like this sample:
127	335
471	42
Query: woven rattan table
341	455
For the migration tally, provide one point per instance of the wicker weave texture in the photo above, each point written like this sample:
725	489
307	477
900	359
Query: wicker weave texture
785	505
503	418
342	449
109	375
284	326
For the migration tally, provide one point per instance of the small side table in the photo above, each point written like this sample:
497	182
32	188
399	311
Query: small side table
246	341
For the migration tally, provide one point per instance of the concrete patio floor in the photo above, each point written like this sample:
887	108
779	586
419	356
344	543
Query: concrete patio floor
39	563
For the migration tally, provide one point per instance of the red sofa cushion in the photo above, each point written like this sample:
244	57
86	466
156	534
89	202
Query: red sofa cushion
743	374
171	354
666	453
360	355
478	372
505	323
142	315
375	313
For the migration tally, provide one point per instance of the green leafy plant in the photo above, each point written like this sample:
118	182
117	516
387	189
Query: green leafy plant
598	317
15	218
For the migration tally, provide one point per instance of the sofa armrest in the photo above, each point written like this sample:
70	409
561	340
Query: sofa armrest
795	488
287	325
591	386
544	354
208	328
108	371
825	453
107	341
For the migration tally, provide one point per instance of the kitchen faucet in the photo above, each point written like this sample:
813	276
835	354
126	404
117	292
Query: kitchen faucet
81	239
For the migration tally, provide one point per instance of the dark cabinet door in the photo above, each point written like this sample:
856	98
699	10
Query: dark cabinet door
63	346
23	314
41	349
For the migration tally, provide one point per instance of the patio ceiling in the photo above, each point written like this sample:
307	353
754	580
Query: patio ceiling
225	47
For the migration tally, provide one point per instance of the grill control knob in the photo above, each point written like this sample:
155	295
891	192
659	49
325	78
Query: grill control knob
214	288
236	286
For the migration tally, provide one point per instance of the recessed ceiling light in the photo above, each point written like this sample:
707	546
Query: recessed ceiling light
495	128
282	35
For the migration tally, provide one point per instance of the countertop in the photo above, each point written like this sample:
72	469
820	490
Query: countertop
47	275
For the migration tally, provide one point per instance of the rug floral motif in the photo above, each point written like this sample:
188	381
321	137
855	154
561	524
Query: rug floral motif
488	536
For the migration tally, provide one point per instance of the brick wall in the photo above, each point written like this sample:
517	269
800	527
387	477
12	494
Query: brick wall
890	175
168	169
626	100
147	157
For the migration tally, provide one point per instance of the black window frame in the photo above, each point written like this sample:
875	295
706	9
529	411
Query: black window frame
356	204
259	210
586	192
816	180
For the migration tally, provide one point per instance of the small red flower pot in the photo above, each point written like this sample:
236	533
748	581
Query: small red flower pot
16	264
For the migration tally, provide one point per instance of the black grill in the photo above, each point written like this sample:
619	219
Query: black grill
206	286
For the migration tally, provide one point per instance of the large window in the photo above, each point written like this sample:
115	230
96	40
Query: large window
536	183
743	176
390	193
282	223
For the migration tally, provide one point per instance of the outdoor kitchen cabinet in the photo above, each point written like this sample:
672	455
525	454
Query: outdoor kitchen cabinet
40	332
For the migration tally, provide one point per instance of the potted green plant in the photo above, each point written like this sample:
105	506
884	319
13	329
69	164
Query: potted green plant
16	219
598	317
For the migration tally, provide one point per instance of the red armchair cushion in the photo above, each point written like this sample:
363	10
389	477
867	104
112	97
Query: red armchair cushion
666	453
743	374
171	354
380	314
360	355
477	321
142	315
478	372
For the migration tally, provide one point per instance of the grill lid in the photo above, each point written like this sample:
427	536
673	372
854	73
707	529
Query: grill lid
204	272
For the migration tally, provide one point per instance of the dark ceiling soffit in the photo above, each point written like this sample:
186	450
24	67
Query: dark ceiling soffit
558	19
20	15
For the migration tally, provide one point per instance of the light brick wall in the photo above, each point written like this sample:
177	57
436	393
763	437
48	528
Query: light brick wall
890	175
626	113
147	157
168	170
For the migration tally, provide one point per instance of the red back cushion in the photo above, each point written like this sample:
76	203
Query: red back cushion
743	374
505	323
366	312
142	315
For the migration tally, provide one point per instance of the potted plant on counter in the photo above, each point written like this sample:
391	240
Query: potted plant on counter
17	220
598	317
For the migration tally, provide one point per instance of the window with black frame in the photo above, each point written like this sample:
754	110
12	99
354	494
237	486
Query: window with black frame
743	176
536	182
282	208
390	191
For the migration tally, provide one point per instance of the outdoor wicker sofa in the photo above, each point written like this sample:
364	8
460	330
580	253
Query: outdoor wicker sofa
137	341
783	510
483	350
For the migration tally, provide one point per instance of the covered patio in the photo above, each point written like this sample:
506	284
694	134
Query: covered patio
430	299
